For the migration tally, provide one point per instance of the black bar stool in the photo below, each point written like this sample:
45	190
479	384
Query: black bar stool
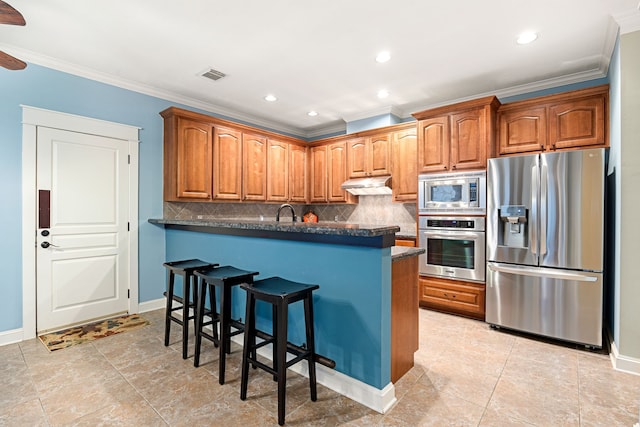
185	268
279	293
225	278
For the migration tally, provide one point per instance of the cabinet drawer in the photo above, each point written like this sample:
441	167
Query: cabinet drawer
453	296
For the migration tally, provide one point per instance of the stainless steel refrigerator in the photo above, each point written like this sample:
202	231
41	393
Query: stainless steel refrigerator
545	221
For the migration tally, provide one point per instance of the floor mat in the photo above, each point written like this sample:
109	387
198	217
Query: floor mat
92	331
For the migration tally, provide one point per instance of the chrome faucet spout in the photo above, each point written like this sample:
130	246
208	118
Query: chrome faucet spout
286	205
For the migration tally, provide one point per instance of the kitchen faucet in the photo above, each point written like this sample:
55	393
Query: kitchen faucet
286	205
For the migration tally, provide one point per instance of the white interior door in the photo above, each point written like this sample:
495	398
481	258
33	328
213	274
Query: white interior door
82	236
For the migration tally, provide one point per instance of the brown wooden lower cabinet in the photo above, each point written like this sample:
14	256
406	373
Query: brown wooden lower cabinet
453	296
406	242
404	315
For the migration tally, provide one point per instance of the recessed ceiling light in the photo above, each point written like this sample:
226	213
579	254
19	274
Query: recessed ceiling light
383	56
312	113
527	37
383	93
270	98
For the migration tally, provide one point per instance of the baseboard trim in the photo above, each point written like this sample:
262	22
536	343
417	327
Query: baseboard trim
155	304
623	363
11	337
379	400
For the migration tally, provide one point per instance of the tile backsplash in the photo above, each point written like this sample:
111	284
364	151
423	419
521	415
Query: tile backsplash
376	210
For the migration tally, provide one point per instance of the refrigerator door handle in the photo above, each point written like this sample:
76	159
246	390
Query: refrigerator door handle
544	184
541	272
533	232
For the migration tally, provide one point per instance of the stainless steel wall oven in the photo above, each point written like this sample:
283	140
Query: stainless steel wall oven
455	247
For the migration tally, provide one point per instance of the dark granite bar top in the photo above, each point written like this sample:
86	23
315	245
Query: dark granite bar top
406	235
401	252
322	232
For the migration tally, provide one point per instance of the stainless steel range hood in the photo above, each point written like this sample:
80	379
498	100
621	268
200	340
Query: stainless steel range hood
376	185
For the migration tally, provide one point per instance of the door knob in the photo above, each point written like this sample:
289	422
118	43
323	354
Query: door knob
45	245
44	233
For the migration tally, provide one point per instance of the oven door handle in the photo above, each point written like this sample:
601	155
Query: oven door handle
456	235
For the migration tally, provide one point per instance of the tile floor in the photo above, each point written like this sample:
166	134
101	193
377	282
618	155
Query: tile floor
465	374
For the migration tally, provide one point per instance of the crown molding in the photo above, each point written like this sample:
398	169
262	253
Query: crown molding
331	129
629	21
66	67
389	109
568	79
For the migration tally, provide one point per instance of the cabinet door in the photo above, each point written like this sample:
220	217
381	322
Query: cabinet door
297	173
405	166
318	165
453	296
254	165
433	144
277	171
469	140
193	168
227	164
378	155
336	172
522	131
358	162
578	123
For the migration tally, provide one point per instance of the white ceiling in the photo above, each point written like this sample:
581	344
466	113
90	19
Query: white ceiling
320	55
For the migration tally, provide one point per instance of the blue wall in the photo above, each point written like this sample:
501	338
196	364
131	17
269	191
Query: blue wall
352	308
45	88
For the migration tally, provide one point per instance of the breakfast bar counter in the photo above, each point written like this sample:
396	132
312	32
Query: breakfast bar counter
323	232
351	263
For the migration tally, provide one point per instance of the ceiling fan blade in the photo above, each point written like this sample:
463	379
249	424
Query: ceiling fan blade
8	15
10	62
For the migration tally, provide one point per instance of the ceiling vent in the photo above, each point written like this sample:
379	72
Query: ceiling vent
213	74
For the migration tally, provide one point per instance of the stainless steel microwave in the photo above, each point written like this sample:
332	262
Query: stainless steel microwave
453	193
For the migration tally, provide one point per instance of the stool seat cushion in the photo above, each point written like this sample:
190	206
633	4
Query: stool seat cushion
188	265
224	273
279	287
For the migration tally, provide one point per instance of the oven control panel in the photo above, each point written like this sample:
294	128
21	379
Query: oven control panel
451	223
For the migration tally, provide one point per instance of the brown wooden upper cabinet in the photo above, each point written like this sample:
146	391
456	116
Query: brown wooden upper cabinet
405	166
227	164
369	156
328	170
576	119
318	173
298	174
207	159
194	152
254	167
277	171
456	137
336	172
188	151
286	172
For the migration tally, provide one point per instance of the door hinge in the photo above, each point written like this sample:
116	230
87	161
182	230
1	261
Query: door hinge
128	229
128	293
129	159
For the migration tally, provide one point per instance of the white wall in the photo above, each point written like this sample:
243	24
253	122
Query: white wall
628	316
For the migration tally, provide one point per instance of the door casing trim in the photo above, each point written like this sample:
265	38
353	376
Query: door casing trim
32	118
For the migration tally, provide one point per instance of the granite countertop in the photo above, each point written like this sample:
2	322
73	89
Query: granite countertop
323	232
406	235
401	252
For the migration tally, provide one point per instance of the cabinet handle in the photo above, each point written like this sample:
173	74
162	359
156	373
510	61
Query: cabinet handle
453	167
553	146
542	147
445	168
